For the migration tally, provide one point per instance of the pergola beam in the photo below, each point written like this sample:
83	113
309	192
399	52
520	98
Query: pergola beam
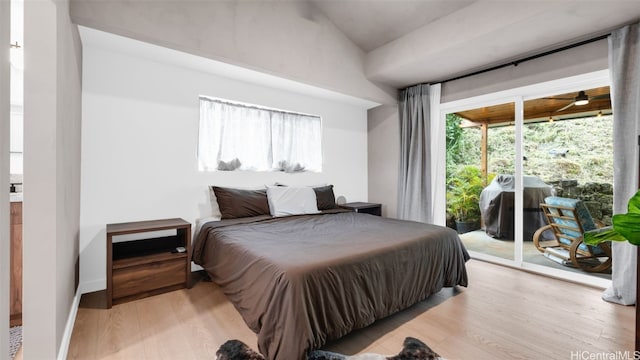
484	139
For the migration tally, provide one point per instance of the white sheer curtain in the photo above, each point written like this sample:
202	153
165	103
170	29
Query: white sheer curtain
261	139
228	132
300	143
624	66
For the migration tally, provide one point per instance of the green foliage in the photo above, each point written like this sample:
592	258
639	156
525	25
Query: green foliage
588	141
462	145
454	136
626	227
588	158
463	193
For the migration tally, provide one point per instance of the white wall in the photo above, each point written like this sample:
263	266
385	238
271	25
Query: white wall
384	157
139	146
576	61
51	206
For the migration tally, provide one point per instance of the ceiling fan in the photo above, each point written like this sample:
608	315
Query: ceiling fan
581	99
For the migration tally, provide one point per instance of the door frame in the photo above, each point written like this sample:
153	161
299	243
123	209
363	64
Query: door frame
5	76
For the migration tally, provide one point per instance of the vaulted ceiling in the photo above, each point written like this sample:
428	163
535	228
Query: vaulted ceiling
371	24
361	48
413	41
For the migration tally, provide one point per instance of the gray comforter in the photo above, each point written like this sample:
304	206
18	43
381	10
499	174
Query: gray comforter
300	281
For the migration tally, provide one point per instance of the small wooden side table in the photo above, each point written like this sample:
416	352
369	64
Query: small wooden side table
147	266
364	207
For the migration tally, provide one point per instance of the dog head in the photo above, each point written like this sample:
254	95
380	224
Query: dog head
237	350
414	349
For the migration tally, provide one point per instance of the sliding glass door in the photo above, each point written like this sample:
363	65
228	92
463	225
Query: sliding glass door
510	151
568	146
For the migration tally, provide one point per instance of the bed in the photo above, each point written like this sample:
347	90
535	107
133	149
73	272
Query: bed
300	281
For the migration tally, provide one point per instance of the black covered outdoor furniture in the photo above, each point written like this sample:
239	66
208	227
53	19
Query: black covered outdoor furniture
497	206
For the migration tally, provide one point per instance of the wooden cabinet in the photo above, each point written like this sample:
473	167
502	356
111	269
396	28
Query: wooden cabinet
364	207
15	282
148	265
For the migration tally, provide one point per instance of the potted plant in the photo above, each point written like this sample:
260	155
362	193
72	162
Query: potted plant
626	227
463	198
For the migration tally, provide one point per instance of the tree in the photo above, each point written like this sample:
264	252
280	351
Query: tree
454	138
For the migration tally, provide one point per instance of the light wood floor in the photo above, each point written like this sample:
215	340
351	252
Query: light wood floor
503	314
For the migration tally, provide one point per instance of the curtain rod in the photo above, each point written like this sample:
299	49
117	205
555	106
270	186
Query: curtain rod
532	57
255	107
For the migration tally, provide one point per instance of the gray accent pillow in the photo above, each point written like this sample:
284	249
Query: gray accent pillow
239	203
325	197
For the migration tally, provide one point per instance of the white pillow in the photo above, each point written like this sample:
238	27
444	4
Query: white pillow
288	200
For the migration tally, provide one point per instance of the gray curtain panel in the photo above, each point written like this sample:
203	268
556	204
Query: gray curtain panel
624	66
414	182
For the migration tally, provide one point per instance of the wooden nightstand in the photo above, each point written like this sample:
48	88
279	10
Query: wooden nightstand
364	207
148	266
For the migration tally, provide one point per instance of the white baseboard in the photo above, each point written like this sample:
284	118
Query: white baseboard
68	329
83	288
91	286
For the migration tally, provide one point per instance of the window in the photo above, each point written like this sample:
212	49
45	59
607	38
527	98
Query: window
236	136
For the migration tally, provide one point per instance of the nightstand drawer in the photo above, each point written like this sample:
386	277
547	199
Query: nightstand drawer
147	277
